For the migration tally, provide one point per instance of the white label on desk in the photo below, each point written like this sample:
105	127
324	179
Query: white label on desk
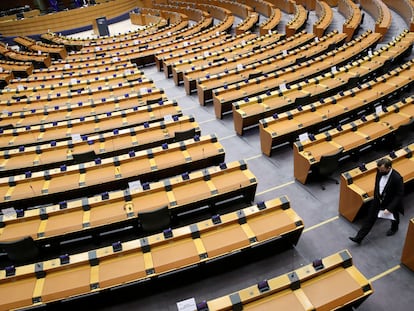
206	54
282	87
115	59
370	53
187	305
136	42
168	118
243	42
239	66
284	52
39	52
20	87
127	72
185	43
143	90
333	69
303	137
67	66
1	69
9	212
378	109
135	185
73	81
316	39
76	137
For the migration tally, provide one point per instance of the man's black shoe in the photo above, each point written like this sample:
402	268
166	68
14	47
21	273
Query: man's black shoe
391	232
355	240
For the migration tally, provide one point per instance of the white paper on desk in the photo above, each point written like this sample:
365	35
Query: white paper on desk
378	109
333	69
76	137
303	137
66	66
168	118
382	214
187	305
9	212
135	185
1	69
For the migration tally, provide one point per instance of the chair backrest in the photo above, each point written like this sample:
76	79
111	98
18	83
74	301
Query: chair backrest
329	163
21	251
183	135
155	220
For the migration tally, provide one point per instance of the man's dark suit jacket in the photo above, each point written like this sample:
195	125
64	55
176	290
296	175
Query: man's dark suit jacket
392	196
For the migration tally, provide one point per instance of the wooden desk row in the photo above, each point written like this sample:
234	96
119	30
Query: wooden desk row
149	257
221	66
407	256
60	130
182	193
350	137
287	126
55	51
224	96
219	45
297	22
271	22
77	96
173	54
72	111
42	60
19	89
54	153
333	285
38	77
357	185
248	112
197	153
179	68
325	16
19	69
248	23
121	47
353	17
113	173
278	60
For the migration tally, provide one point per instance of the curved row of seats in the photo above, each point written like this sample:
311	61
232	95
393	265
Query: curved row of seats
351	138
248	113
224	96
286	126
46	154
74	275
220	66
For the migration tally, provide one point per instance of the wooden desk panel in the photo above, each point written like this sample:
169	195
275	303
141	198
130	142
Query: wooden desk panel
65	222
17	293
235	239
174	255
17	229
113	271
106	267
66	283
325	295
407	256
285	300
